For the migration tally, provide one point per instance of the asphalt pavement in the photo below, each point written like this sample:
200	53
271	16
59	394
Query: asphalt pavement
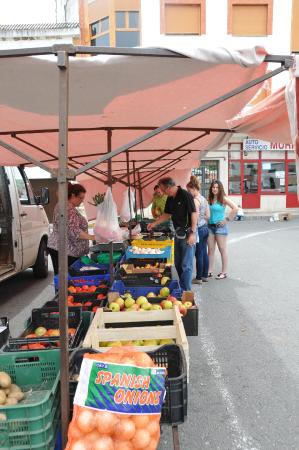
244	371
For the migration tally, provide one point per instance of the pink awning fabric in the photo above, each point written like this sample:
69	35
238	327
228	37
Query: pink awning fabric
130	95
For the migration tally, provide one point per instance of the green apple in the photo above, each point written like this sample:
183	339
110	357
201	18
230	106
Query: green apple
40	331
126	295
164	280
146	306
140	300
150	342
151	294
114	344
129	302
188	305
114	307
138	343
164	292
156	307
166	304
166	341
120	301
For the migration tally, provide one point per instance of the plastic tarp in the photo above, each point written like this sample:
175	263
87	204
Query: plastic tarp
124	91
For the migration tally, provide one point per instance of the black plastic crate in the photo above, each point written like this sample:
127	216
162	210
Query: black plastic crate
94	303
172	357
48	318
144	279
4	334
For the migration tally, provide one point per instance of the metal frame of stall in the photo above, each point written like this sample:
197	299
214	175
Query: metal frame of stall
63	173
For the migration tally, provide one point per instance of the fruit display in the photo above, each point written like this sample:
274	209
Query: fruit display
86	289
10	394
137	343
109	429
126	302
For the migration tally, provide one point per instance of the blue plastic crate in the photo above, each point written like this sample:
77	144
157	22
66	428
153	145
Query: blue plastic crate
166	254
100	269
136	291
89	280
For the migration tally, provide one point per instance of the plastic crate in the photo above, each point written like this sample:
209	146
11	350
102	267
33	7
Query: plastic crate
137	291
146	279
48	318
172	357
4	331
155	243
74	269
33	423
83	306
165	255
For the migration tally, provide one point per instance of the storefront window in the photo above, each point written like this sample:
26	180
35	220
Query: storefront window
292	179
234	184
273	176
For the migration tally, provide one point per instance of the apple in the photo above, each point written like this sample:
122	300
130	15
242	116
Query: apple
120	301
177	302
92	289
164	292
114	344
150	342
85	287
171	298
151	294
188	304
146	306
138	343
164	280
183	310
78	289
126	295
40	331
140	300
129	302
166	341
134	307
166	304
54	333
72	289
114	307
156	307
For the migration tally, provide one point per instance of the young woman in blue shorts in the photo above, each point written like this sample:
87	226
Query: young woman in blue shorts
218	226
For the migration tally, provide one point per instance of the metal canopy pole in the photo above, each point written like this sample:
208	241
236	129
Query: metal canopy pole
63	65
110	181
129	192
140	196
135	190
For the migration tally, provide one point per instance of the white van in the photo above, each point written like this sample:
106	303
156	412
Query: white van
24	225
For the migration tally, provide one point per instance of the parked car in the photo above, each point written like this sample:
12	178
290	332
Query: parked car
24	226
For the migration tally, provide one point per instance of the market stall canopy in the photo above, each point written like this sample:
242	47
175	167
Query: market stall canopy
129	96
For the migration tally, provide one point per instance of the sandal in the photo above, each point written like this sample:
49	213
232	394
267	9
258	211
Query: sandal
221	276
210	274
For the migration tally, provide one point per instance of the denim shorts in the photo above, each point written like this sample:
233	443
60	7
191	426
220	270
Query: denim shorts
213	229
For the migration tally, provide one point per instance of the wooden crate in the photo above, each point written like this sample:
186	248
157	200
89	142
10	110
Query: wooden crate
98	331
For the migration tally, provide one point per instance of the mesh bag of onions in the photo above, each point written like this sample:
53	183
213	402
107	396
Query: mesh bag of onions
118	401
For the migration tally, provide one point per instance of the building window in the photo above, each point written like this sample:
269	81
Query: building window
184	17
99	32
250	17
234	184
273	176
127	32
292	178
207	172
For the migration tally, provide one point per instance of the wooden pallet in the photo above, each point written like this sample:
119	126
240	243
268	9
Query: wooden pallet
99	333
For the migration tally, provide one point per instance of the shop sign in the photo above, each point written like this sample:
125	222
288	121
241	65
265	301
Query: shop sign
255	145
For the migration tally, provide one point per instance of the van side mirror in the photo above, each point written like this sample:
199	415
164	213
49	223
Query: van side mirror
43	198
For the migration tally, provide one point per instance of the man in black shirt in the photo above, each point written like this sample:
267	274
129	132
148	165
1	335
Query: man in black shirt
180	208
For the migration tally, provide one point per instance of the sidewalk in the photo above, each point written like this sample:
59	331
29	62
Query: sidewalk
257	214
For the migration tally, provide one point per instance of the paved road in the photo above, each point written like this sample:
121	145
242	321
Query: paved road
244	388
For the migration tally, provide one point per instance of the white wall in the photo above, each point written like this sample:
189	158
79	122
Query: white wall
216	31
37	11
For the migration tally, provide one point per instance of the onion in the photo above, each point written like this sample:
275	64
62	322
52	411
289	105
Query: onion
141	439
143	360
105	422
92	437
153	428
153	444
124	430
141	421
86	420
74	432
81	444
103	443
123	445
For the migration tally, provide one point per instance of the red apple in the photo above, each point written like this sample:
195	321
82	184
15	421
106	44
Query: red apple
78	289
171	298
85	288
183	310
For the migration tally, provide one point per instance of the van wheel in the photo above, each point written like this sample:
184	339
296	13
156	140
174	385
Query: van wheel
40	268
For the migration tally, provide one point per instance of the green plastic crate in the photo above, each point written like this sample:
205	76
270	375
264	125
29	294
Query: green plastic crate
33	423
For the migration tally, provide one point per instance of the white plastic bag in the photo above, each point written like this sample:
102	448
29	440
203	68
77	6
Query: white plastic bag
125	213
106	228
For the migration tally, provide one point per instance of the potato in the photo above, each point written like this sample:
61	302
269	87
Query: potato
5	380
17	395
11	401
2	397
15	388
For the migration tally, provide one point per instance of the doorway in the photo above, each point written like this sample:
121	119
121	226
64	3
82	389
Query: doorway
251	188
291	182
207	172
